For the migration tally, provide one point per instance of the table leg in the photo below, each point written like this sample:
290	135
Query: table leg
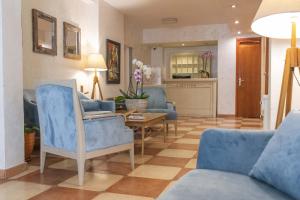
164	130
143	140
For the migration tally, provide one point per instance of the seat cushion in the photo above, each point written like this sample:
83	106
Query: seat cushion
171	114
106	132
203	184
279	164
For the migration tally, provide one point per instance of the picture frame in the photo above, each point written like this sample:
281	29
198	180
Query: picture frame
113	62
44	33
72	41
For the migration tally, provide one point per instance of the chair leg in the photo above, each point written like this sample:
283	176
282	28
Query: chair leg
81	170
42	161
175	124
131	154
167	127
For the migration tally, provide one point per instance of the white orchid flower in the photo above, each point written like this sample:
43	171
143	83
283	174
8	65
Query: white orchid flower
147	72
139	63
134	61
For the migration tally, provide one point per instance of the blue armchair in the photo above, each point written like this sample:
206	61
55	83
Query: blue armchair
224	161
157	103
66	132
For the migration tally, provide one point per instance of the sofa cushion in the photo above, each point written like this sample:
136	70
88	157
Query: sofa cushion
203	184
171	114
279	164
90	105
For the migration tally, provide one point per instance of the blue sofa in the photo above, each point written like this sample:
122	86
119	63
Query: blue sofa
224	161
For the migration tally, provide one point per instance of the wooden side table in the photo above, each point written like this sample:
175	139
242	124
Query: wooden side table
149	120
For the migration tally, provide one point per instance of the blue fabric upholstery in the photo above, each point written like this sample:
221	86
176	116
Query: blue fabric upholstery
106	132
157	98
56	110
231	150
279	164
171	114
216	185
90	105
157	102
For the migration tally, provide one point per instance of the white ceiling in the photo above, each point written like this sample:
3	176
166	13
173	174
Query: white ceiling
190	12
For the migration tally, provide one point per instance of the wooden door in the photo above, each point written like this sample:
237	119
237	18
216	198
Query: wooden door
248	77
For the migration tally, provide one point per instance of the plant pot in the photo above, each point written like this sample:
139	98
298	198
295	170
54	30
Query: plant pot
139	105
29	140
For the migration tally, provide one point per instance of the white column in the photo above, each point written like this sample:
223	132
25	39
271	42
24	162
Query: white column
11	85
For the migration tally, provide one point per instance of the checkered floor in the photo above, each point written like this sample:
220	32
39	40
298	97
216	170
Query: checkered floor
110	177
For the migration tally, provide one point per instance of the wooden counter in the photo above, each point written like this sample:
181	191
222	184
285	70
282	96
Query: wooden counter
193	97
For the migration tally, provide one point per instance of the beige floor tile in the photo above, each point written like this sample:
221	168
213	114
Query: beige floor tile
187	141
115	196
28	171
181	129
177	153
18	190
70	164
155	172
124	158
195	133
191	164
92	181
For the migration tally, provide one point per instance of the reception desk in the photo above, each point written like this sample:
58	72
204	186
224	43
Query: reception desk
193	97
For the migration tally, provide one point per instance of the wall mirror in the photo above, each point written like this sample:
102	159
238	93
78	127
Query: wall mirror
72	46
44	33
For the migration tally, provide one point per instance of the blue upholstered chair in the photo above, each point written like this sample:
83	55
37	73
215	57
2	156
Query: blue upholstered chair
157	103
67	131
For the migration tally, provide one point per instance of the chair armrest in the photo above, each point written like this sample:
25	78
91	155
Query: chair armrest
231	150
171	105
108	105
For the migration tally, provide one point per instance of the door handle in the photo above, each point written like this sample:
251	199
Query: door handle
240	81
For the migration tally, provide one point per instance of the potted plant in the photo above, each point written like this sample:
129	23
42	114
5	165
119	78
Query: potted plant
135	98
29	140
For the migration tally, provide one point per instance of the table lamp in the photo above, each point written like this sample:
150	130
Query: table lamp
279	19
96	63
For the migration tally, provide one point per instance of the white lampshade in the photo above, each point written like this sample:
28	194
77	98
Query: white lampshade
95	62
274	18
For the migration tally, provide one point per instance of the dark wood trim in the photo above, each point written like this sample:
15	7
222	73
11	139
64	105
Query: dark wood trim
8	173
119	61
267	66
36	14
77	30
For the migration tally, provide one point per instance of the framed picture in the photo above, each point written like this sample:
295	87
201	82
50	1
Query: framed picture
113	62
72	41
44	33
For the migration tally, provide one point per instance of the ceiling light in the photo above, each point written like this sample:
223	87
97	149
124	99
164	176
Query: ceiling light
239	32
169	20
233	6
236	21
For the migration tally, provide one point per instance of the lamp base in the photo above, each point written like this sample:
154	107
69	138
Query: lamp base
96	82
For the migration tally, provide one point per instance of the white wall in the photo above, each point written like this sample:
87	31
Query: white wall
97	21
277	60
226	55
11	85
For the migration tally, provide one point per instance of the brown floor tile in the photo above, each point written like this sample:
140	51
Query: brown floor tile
61	193
35	160
183	146
139	186
168	161
191	136
112	168
147	151
182	173
50	176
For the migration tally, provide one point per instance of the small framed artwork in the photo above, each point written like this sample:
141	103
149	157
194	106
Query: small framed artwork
113	62
72	41
44	33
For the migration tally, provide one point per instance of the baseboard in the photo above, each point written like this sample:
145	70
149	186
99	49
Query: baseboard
226	116
7	173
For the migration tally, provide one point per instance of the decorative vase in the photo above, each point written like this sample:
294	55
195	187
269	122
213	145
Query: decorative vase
29	140
139	105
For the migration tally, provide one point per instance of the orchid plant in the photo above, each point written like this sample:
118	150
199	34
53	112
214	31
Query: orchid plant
141	71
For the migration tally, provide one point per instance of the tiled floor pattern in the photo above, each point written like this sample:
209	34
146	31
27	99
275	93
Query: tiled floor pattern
111	178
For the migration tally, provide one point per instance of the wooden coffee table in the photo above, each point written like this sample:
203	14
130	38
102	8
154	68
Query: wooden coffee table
149	120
